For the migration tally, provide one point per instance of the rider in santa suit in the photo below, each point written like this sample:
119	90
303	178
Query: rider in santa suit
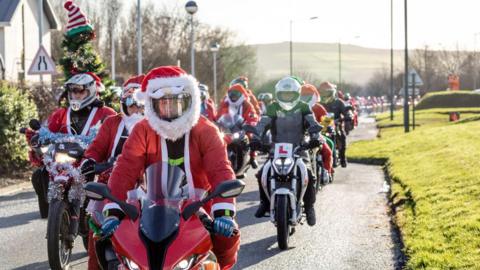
207	105
310	95
174	131
85	109
109	142
235	102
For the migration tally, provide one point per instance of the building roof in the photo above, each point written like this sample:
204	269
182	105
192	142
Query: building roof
8	8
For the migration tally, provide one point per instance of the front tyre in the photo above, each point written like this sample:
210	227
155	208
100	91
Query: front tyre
59	246
282	212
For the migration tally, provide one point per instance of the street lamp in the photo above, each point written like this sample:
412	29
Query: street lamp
214	49
406	120
291	43
392	105
139	38
192	8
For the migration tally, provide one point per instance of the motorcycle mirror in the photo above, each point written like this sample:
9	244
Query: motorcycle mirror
34	124
99	191
96	191
226	189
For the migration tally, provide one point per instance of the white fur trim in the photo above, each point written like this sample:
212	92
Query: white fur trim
183	80
223	206
140	96
111	205
131	85
180	126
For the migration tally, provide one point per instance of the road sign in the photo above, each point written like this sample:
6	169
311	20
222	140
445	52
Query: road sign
401	92
418	79
42	63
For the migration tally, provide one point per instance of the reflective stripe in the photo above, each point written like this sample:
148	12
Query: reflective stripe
86	128
222	206
110	206
164	167
120	128
191	187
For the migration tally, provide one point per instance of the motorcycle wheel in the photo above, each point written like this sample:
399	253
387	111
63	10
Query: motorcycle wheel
40	185
283	226
58	246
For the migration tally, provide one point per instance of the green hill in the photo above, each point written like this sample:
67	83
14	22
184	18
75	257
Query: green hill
321	60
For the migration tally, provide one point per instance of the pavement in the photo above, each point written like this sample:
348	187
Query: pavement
353	229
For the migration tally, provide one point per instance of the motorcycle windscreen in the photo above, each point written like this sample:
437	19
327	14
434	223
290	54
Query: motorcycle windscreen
230	123
167	188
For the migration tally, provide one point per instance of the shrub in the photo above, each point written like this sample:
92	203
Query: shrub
449	99
16	109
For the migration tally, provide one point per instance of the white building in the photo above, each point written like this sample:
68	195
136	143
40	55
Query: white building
19	37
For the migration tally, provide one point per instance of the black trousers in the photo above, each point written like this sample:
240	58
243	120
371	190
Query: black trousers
309	197
341	140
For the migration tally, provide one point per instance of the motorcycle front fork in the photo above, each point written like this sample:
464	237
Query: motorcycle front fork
74	218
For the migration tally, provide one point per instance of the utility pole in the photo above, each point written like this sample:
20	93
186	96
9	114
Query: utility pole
139	38
392	105
405	101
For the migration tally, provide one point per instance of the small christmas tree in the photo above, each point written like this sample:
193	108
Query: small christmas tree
78	53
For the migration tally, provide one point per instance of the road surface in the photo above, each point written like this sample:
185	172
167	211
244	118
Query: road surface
353	228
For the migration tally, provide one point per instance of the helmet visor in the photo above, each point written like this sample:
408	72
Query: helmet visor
306	98
234	95
76	88
171	107
287	96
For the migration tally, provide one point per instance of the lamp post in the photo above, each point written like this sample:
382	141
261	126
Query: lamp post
214	49
392	105
192	8
405	87
139	38
291	43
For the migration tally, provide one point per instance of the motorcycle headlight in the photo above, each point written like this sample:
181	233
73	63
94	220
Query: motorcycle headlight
283	165
186	263
131	265
64	158
236	135
44	149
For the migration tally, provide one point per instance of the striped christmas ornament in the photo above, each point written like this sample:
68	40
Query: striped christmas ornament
77	20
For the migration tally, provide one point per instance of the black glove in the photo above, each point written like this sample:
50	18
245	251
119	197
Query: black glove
255	144
88	167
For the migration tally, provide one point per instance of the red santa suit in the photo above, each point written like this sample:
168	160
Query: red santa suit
109	144
242	106
318	111
205	159
209	110
60	120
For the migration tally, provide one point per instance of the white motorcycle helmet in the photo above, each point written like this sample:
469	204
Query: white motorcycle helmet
287	93
82	82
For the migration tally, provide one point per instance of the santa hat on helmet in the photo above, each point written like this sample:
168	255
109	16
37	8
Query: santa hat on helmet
310	90
77	21
237	87
133	85
98	81
167	80
325	86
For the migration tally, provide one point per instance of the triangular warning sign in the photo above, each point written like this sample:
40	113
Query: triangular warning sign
42	63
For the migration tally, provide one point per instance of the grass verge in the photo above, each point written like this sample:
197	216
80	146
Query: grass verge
435	178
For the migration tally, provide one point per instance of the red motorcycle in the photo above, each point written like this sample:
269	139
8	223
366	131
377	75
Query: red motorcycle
164	229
